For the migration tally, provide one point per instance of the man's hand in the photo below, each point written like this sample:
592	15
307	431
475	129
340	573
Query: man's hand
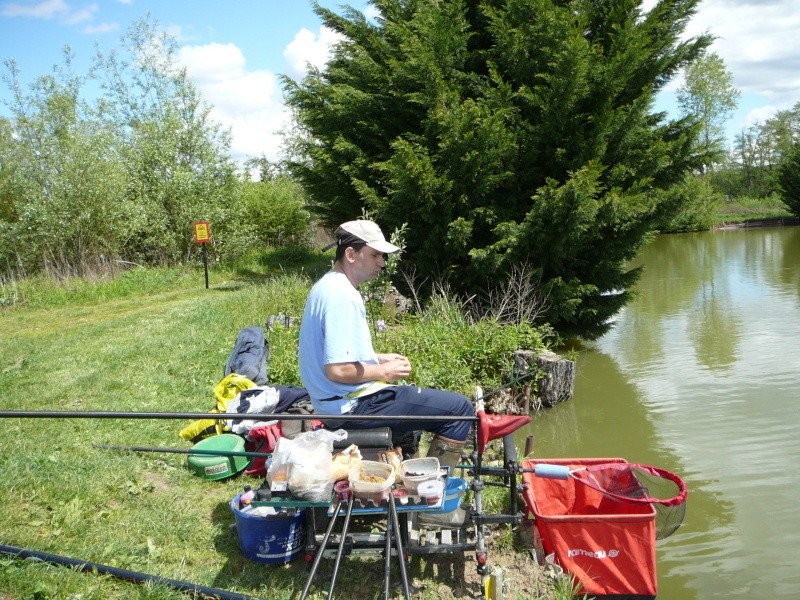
391	368
396	366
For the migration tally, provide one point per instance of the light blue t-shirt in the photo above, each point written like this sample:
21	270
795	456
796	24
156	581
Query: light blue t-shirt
334	329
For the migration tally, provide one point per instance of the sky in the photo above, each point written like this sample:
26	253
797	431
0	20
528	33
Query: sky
234	50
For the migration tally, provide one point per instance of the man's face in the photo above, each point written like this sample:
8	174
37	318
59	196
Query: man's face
367	264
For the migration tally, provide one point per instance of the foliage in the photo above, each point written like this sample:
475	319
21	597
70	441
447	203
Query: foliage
62	190
450	350
268	213
758	150
503	133
85	184
789	179
745	209
708	95
179	170
699	204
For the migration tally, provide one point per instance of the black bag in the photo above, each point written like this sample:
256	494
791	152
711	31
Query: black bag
250	355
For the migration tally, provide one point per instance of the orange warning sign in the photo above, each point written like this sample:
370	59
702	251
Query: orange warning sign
202	232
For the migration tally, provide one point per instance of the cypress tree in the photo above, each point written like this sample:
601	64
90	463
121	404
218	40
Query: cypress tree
503	132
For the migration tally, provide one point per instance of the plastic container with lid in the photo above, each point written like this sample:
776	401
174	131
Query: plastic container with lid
371	480
431	491
418	470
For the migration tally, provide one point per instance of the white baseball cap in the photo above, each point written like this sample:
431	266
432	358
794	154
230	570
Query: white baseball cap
366	231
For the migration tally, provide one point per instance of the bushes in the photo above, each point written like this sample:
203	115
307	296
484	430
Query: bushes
266	213
699	204
449	350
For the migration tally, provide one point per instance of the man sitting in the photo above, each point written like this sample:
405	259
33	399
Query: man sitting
344	375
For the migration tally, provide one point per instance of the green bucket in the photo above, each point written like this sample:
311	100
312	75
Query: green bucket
213	467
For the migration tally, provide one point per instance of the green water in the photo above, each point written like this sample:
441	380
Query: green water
701	375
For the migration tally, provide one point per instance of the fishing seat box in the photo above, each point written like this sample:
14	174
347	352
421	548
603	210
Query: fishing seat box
607	545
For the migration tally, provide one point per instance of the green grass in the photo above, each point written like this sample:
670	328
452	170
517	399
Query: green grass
159	349
742	210
145	341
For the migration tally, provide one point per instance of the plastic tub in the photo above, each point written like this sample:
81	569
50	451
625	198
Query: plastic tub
217	467
454	490
418	470
271	539
377	491
452	495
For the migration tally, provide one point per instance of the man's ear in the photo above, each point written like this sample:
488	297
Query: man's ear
350	254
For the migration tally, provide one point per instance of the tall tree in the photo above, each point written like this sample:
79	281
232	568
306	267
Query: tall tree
504	132
177	156
122	177
789	179
63	185
709	96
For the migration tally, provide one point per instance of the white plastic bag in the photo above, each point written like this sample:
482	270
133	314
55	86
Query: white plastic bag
305	463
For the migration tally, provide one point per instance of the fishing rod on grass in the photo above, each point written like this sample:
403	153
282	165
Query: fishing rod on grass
192	451
59	414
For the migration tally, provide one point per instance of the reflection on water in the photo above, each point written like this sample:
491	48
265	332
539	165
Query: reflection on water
701	375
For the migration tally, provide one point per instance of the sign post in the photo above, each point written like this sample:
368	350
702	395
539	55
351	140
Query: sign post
202	235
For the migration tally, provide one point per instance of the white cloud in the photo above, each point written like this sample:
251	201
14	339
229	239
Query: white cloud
760	114
79	16
310	48
248	102
61	10
759	42
44	10
101	28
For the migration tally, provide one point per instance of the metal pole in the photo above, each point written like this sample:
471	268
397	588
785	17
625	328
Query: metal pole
205	263
340	549
76	414
387	559
398	540
321	549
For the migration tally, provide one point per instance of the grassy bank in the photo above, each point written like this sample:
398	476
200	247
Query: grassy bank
744	210
144	341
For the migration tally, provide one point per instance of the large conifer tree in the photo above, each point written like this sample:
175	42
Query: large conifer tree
504	132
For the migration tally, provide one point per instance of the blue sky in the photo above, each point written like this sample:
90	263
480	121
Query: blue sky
234	50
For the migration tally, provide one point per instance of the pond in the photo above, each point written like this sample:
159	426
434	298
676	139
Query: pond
700	375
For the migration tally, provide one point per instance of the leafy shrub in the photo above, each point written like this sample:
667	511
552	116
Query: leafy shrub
789	179
448	350
699	203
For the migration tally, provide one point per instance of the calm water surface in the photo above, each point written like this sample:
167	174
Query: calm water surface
701	375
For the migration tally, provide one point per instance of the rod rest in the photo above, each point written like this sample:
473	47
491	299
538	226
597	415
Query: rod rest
377	437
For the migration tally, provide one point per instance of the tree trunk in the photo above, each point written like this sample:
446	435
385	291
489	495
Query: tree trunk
556	380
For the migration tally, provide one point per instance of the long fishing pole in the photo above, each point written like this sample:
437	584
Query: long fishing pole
193	451
76	414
